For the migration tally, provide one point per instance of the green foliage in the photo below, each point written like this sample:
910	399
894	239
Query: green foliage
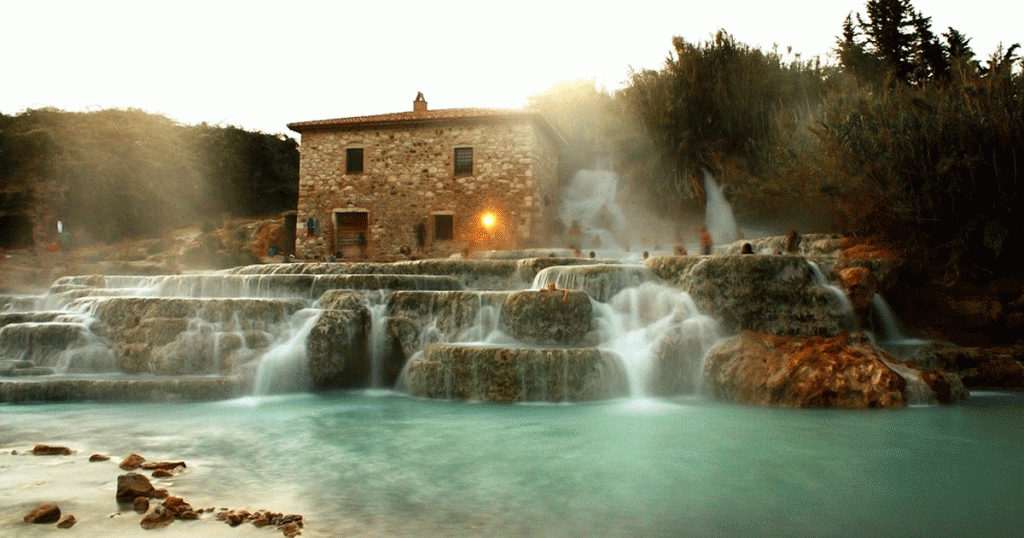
128	173
933	169
909	138
896	45
250	173
717	106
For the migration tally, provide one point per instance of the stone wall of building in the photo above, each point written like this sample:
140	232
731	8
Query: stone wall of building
409	177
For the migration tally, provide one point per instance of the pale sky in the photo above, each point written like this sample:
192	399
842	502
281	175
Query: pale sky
261	65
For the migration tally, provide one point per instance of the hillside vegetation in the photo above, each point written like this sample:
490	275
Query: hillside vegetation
122	174
909	138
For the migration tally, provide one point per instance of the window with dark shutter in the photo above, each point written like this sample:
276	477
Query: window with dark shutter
463	161
444	227
354	161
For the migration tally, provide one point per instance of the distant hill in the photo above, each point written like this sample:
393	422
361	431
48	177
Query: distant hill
118	174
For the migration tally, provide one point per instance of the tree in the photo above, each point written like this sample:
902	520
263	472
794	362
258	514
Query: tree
891	35
854	55
898	46
930	60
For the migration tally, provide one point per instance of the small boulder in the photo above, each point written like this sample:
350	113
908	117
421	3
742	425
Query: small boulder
141	504
132	485
132	462
98	457
45	513
51	450
177	506
947	387
156	517
234	518
290	530
67	522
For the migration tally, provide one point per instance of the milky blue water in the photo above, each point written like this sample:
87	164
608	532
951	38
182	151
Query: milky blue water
381	464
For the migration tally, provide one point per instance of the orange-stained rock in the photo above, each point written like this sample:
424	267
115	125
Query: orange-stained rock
177	506
156	517
860	286
132	462
132	485
44	513
98	457
786	371
51	450
859	249
290	530
67	522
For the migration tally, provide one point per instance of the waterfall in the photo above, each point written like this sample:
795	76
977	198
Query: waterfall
888	330
718	214
848	316
590	201
284	368
378	328
659	335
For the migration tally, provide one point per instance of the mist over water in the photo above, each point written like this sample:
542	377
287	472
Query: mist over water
379	464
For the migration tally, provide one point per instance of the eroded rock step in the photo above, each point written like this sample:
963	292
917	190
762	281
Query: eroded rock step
493	374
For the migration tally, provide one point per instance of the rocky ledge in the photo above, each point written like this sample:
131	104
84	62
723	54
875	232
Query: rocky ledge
515	375
819	371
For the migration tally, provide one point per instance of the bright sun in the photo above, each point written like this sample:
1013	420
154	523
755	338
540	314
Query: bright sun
488	220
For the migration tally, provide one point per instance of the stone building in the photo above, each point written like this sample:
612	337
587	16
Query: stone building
436	181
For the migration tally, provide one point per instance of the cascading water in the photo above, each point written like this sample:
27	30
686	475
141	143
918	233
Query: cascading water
718	213
641	325
377	343
888	329
285	368
590	201
848	316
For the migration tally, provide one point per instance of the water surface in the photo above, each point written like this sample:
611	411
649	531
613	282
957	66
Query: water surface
381	464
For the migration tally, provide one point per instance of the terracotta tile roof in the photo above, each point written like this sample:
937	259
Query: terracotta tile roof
428	116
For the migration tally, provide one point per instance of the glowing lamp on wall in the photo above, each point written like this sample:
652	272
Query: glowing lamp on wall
488	220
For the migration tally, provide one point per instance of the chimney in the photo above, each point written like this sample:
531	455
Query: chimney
420	104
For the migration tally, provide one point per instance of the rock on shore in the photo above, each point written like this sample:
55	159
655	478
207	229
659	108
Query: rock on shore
837	371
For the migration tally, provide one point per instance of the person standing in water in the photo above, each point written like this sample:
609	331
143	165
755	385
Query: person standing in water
705	240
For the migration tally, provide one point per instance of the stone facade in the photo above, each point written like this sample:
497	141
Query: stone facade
408	177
